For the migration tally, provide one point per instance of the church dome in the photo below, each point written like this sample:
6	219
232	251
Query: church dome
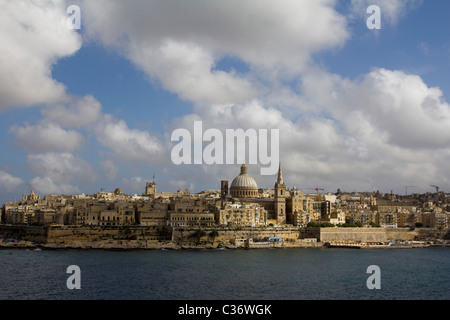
244	185
244	181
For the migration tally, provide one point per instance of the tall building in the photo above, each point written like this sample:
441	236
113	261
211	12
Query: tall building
150	188
280	198
223	189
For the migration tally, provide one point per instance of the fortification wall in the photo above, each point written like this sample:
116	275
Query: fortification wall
61	234
405	234
29	233
353	234
211	235
99	233
375	234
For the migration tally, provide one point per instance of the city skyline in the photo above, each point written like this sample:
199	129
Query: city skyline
94	108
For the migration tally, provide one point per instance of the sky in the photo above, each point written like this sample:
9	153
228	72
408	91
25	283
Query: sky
94	108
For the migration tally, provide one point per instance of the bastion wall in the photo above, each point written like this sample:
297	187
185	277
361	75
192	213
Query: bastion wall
65	234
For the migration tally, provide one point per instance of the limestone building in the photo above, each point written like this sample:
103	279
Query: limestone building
280	198
241	214
150	188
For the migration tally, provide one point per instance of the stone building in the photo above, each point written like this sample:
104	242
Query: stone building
241	214
150	188
189	219
299	207
190	211
280	198
151	214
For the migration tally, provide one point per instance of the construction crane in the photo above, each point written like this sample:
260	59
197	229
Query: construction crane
317	191
406	189
437	188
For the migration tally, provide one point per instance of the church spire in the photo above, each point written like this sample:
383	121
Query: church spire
280	175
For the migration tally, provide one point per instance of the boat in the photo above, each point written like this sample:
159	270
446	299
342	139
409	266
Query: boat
271	242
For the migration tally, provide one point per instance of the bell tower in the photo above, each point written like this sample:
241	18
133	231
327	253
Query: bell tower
280	198
223	189
150	188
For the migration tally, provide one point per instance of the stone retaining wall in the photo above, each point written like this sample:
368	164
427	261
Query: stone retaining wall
90	234
29	233
374	234
353	234
61	234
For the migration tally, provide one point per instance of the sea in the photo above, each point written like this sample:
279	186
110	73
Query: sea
227	274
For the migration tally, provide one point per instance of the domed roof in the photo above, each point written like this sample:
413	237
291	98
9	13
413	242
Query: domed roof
244	180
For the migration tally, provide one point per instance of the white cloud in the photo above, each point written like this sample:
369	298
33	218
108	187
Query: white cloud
8	182
391	107
180	43
128	144
34	34
46	185
133	185
46	136
187	69
109	169
59	169
80	112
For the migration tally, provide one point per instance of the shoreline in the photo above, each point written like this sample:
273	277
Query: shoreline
123	238
129	245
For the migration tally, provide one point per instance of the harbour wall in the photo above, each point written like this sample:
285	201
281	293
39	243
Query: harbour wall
212	235
370	234
62	234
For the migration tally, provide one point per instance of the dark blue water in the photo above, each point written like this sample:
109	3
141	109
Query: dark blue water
275	274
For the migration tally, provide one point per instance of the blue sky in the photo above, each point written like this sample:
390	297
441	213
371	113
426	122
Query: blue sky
357	109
